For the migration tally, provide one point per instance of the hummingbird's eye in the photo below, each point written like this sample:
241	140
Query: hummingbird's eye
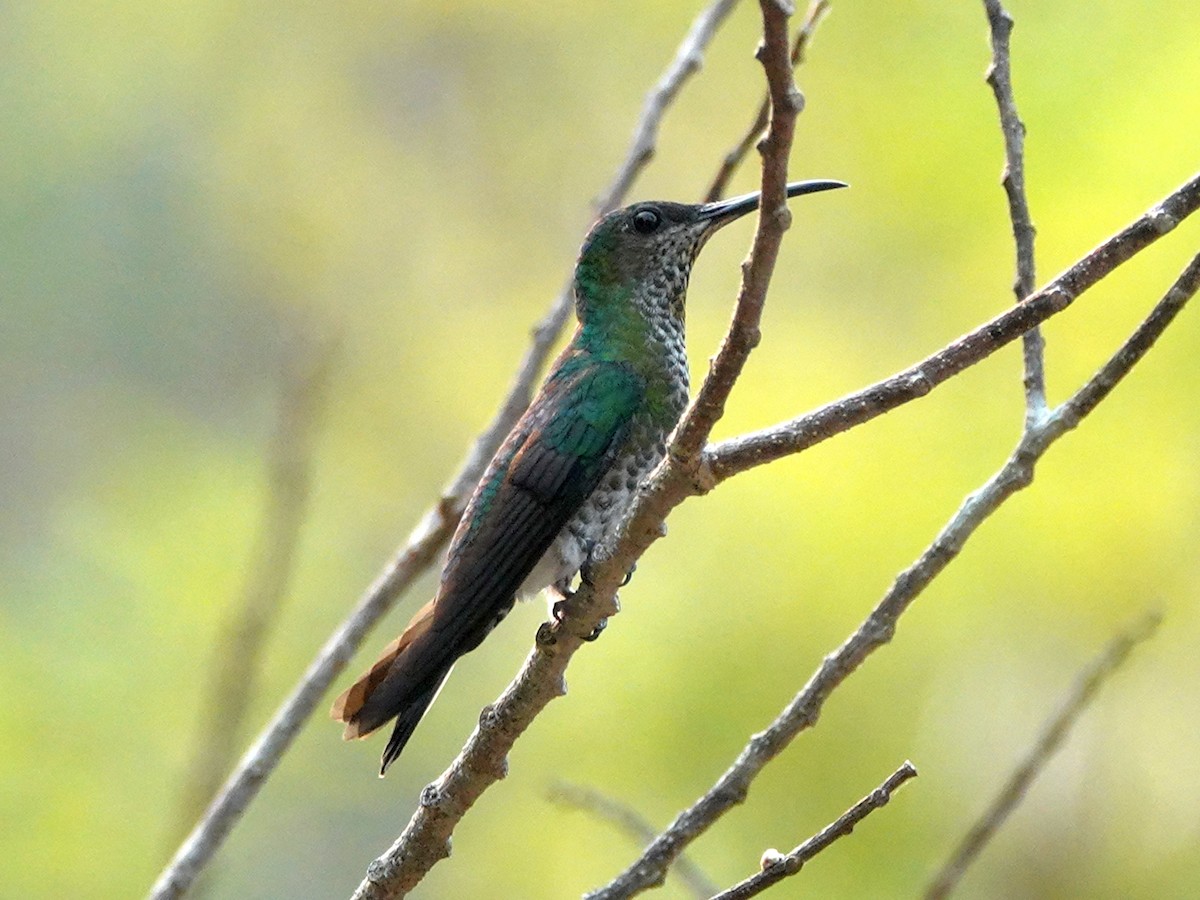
646	221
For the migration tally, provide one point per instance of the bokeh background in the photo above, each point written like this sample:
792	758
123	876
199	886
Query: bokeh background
187	187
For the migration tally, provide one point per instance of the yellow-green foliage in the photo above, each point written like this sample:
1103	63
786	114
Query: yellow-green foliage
183	180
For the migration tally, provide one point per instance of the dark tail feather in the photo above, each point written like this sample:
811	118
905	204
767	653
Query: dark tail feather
407	721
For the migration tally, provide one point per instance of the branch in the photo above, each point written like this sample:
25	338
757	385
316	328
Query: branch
238	649
426	838
426	541
879	627
688	59
734	158
1101	384
729	457
629	821
260	760
774	219
775	868
1051	738
999	77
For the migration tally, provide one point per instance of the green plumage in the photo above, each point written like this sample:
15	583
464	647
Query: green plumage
558	487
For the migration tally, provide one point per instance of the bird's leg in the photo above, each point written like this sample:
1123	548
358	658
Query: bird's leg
563	587
585	571
558	608
585	577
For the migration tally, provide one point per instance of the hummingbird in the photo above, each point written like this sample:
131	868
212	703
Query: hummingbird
560	483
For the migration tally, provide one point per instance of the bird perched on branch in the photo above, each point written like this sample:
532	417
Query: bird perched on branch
567	472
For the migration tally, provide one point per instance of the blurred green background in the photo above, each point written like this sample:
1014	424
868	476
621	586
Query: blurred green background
183	184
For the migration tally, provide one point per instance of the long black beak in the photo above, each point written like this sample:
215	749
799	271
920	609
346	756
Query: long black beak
724	211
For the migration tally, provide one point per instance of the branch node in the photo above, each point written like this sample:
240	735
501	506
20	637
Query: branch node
1060	297
431	795
795	99
703	478
377	871
487	717
770	857
879	630
734	794
918	383
783	218
1161	220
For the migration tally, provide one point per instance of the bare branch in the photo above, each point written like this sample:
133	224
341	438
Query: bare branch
436	526
1051	738
426	838
775	868
756	448
688	59
999	77
1101	384
238	649
628	820
774	219
734	158
879	627
260	760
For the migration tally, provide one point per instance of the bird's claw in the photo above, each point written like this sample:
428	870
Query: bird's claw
596	632
585	574
629	575
558	612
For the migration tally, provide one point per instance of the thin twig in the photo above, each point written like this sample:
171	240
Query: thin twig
238	649
1069	414
999	77
631	822
775	868
774	219
688	59
257	764
426	839
435	528
1051	738
734	158
880	626
729	457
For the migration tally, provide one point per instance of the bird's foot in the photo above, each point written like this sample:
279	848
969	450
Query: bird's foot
596	632
558	612
558	609
586	571
629	575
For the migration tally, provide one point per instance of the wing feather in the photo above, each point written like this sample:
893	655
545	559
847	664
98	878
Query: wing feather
551	462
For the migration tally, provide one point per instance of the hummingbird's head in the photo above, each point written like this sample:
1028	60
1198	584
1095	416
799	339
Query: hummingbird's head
642	255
